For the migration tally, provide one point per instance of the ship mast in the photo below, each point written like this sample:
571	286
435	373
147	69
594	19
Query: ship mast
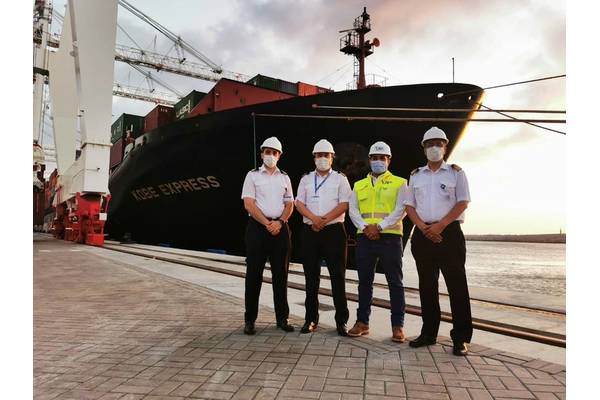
354	44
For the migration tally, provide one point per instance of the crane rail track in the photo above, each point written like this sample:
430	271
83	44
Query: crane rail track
535	335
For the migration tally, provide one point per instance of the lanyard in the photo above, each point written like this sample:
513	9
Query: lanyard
320	184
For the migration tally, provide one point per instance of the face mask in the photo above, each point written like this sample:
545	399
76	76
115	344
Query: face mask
378	166
270	161
322	163
434	153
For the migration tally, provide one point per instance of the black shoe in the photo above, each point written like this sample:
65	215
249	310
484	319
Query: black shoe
285	326
309	327
460	349
341	329
422	340
249	328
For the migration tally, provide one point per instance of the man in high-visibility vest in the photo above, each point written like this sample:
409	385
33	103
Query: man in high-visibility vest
377	209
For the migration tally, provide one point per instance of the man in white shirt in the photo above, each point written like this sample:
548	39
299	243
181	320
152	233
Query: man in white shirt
269	200
323	196
438	195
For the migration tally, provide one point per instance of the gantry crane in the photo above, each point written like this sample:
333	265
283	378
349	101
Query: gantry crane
80	78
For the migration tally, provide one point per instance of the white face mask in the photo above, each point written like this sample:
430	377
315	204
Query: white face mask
270	160
322	163
434	153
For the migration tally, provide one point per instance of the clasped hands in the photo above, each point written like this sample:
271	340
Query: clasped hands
371	232
433	232
274	227
318	223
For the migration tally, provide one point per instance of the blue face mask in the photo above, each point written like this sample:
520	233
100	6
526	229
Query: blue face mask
378	166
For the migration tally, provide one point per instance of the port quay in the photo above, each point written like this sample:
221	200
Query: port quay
148	120
122	322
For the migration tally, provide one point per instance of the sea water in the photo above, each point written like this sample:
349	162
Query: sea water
522	267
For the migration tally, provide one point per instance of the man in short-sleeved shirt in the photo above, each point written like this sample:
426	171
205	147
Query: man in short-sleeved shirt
268	198
323	196
438	195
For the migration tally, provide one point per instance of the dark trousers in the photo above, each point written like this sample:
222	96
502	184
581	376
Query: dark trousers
328	244
260	246
449	257
388	250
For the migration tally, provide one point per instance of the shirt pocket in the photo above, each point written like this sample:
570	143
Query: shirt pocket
332	193
283	191
420	193
262	188
447	190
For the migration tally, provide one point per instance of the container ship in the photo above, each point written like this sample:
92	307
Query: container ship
180	184
177	173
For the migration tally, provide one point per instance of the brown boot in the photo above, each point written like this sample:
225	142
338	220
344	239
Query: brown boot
359	329
398	334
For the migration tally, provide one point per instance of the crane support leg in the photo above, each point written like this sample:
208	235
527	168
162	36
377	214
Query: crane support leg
82	219
83	89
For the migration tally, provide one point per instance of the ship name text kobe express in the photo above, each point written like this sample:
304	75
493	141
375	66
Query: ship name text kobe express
176	187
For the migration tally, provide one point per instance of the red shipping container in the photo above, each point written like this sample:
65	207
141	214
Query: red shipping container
228	94
306	89
116	153
38	208
159	116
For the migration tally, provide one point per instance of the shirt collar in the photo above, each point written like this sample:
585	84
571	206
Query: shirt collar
323	177
263	169
384	175
443	166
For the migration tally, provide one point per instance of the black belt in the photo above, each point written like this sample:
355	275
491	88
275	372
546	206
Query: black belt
270	219
435	222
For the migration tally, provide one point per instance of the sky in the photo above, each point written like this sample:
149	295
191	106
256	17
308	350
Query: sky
515	171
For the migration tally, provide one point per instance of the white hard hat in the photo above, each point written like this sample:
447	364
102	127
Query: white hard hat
272	143
323	146
380	148
434	133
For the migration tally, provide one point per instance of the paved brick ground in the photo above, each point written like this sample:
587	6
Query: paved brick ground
112	331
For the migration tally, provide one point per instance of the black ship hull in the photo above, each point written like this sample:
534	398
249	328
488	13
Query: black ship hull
182	187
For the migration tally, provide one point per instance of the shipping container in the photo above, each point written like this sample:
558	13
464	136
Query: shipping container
274	84
159	116
305	89
116	153
185	105
125	123
228	94
50	189
38	209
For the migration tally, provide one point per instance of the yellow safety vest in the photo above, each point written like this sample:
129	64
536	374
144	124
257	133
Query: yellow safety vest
377	202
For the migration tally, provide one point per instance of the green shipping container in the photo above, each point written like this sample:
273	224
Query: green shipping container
184	106
274	84
125	122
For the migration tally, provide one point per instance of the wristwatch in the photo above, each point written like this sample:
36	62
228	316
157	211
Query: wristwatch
379	228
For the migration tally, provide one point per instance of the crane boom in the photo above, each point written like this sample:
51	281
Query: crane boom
178	40
137	93
160	62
